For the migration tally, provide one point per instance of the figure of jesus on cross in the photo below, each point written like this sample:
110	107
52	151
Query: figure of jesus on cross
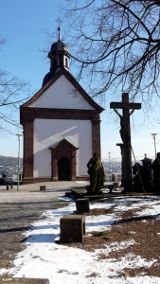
125	133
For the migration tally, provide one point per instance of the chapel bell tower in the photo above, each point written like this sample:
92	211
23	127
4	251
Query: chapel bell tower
59	58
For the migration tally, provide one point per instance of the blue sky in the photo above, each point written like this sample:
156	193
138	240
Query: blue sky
25	26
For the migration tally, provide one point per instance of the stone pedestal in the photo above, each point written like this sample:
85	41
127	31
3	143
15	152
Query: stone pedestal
42	188
82	205
72	228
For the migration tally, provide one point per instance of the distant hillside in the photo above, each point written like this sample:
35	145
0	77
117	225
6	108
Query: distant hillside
8	165
114	166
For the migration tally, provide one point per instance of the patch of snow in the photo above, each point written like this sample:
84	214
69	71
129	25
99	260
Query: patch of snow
152	205
132	232
3	271
65	198
105	190
150	210
82	182
121	245
142	280
100	222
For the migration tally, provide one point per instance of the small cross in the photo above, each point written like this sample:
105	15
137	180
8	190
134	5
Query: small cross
59	22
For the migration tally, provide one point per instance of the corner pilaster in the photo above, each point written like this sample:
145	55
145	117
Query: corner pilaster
96	135
28	149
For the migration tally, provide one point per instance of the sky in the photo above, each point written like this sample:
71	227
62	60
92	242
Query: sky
25	26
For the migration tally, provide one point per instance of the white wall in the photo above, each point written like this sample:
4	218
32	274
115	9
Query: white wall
48	132
62	94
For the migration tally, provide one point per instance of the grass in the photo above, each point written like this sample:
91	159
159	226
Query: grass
102	234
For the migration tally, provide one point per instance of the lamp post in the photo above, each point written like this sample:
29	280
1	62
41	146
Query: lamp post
18	159
109	165
154	139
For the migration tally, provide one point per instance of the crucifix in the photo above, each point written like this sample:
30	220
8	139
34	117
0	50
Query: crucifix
127	109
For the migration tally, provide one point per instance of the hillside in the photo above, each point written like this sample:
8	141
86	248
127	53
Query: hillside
8	165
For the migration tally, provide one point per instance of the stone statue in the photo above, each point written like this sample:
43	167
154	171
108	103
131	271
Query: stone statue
97	176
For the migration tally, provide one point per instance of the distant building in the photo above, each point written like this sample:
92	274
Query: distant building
61	125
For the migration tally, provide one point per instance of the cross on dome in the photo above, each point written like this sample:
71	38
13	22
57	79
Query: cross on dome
59	22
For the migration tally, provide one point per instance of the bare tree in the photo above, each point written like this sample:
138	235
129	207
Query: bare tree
12	94
118	43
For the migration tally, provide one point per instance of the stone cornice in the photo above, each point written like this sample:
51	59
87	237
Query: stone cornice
30	113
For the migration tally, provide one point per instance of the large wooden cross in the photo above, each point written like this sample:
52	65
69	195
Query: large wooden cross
125	132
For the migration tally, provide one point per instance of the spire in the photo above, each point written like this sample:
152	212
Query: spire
58	55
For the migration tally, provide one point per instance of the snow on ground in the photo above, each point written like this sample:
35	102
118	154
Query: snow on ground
43	258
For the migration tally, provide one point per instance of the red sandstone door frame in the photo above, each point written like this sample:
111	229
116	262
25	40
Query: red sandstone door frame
66	150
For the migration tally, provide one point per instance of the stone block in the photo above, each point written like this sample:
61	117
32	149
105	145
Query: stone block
115	184
7	280
42	187
82	205
72	228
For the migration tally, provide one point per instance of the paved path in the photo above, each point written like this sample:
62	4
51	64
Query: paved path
31	192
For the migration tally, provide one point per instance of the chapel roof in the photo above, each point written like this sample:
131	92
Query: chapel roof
73	81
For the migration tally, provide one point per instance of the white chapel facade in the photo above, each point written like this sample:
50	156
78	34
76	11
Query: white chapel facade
61	125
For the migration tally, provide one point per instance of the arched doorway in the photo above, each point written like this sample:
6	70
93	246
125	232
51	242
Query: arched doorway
64	161
64	169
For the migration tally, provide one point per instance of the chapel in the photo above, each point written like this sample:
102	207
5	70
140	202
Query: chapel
61	124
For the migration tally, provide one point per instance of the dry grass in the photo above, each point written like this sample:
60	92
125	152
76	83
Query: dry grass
144	231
